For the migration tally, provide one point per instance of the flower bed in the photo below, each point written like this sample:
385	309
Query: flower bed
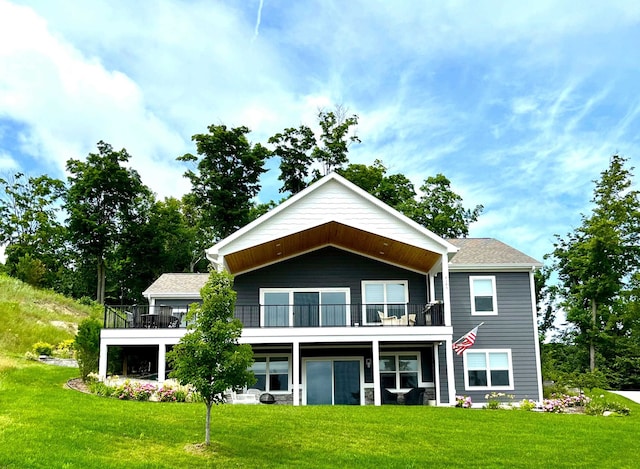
140	390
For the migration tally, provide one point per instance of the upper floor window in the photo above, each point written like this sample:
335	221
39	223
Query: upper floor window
389	297
483	295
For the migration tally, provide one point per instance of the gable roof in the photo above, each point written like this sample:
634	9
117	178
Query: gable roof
177	285
331	212
489	252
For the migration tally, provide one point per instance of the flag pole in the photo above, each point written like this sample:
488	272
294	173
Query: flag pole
467	333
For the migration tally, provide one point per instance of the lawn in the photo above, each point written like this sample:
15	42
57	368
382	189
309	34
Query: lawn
44	425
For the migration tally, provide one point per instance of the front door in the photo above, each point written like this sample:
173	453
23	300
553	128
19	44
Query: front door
332	381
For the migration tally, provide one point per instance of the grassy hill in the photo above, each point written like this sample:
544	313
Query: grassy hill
29	315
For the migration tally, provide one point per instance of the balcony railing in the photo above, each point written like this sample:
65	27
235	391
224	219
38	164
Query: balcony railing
268	316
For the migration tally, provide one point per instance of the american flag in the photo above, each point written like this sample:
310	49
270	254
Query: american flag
466	341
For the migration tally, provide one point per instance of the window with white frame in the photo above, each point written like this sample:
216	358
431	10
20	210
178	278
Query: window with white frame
488	369
389	297
483	295
272	373
399	370
305	307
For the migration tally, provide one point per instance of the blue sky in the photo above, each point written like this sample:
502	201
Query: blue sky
519	104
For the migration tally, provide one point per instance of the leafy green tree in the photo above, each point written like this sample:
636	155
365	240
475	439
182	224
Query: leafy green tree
294	147
441	210
546	301
335	138
596	261
299	148
87	346
395	190
29	226
208	357
102	198
226	178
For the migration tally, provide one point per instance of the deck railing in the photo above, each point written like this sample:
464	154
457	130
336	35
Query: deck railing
268	316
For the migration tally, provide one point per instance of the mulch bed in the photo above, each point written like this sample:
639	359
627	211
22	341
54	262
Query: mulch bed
78	385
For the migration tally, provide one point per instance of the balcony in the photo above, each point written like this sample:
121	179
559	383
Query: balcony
261	316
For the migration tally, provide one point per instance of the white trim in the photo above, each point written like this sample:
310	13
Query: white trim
333	359
268	357
494	295
385	302
535	335
446	292
451	379
515	267
420	383
296	372
436	370
488	387
213	252
290	291
375	356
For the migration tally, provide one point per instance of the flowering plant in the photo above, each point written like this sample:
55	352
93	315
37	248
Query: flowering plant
464	402
559	403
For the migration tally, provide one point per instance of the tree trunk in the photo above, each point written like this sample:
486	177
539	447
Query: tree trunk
101	281
207	431
592	339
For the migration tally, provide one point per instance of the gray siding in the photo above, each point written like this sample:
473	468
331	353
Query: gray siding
327	267
512	328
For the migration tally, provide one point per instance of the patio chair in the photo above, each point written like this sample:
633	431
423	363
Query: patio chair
414	397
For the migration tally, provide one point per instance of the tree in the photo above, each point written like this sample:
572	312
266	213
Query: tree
294	147
208	357
298	148
101	198
394	190
226	178
29	226
597	260
546	301
335	139
441	210
87	346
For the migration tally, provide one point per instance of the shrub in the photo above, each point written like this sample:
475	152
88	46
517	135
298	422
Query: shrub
464	402
166	394
135	391
559	403
494	399
600	405
64	349
43	348
87	345
526	404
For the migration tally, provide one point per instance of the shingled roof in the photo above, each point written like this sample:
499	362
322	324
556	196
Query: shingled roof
183	284
487	252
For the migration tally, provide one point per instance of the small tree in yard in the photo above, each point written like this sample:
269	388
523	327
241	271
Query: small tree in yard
209	357
87	345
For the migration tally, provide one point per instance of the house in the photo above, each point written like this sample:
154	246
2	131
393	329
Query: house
346	301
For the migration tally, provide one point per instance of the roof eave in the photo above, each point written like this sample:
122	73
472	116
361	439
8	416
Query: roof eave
514	267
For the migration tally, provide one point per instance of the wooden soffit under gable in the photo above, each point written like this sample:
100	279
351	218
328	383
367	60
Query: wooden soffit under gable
332	234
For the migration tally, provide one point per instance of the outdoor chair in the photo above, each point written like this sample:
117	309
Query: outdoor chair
414	397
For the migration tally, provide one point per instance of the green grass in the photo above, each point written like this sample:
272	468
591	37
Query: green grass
44	425
29	315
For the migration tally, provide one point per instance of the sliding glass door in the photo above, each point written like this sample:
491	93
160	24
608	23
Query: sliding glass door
332	381
305	307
